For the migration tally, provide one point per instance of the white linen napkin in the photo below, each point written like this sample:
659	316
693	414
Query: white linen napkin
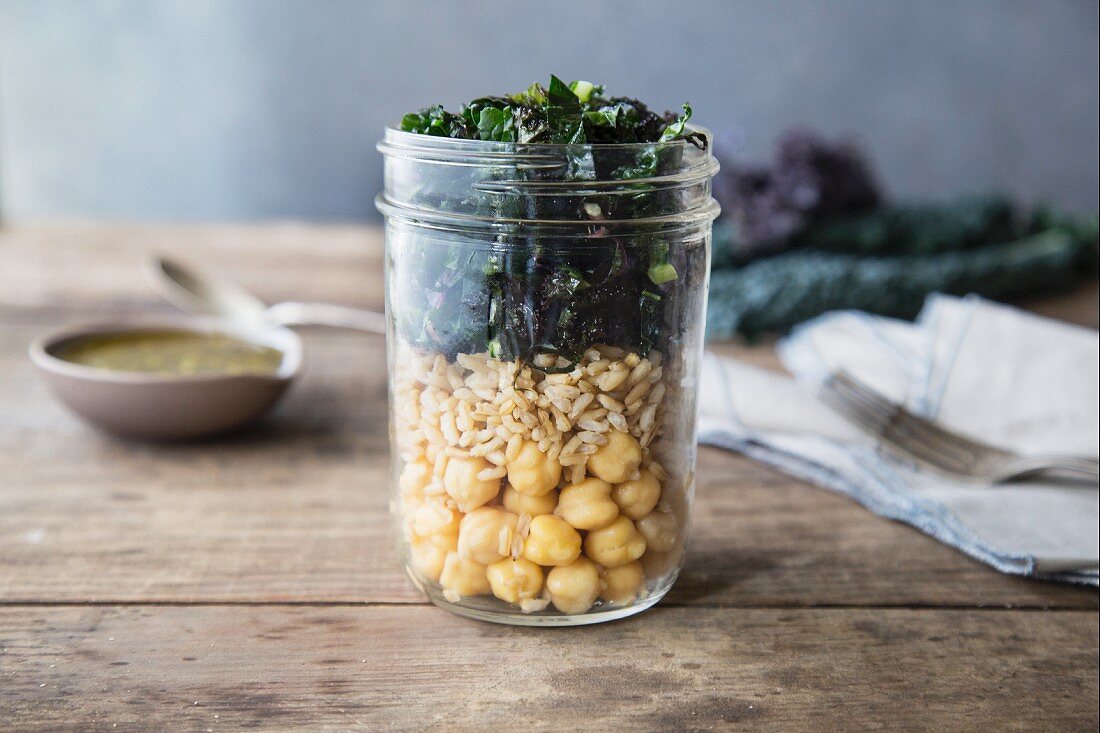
992	372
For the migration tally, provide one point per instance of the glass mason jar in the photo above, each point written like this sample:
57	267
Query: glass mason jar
546	311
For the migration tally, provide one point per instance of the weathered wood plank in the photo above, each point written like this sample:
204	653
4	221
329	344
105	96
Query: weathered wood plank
43	266
296	511
418	668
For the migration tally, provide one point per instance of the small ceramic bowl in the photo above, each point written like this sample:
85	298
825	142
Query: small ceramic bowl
163	406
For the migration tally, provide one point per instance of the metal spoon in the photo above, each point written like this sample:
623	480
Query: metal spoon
207	295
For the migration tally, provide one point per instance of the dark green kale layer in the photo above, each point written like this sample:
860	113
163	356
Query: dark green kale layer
525	292
559	114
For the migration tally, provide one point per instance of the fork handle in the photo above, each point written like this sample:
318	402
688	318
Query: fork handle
1076	467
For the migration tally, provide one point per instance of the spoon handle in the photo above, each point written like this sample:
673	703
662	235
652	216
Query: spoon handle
327	314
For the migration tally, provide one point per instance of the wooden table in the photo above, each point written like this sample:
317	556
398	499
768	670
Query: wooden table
251	582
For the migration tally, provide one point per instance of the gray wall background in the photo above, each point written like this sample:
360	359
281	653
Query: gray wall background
250	109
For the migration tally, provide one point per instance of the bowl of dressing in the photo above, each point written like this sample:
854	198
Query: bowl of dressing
169	379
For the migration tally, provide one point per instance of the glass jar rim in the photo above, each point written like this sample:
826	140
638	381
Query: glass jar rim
393	136
429	150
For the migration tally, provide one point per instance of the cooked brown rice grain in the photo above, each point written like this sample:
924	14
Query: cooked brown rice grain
555	450
580	404
591	438
639	372
637	392
515	442
520	400
594	426
597	367
496	458
484	449
610	403
596	413
450	430
488	474
613	378
571	446
572	459
617	421
561	422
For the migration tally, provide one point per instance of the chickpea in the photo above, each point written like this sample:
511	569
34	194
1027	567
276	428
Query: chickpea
621	584
485	534
462	484
637	498
616	544
532	472
414	477
574	587
515	580
518	503
618	460
588	505
551	541
463	577
660	531
437	522
427	558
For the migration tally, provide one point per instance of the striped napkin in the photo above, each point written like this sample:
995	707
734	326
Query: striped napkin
996	373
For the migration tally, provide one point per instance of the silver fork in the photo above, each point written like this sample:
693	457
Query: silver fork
939	448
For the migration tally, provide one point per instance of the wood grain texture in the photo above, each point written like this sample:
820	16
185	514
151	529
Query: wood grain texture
295	510
416	668
251	582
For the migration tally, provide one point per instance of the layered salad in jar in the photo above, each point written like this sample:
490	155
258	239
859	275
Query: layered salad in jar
544	351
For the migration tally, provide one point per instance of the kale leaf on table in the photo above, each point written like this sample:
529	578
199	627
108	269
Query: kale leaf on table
767	206
523	293
772	294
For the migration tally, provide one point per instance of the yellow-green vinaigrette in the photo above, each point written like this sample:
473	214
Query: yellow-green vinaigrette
172	353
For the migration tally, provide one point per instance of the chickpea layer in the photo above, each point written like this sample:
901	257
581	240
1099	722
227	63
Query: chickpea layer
588	505
616	544
463	485
551	541
515	580
518	503
574	587
533	509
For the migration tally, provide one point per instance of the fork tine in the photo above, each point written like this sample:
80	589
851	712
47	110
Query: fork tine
909	433
919	426
893	424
